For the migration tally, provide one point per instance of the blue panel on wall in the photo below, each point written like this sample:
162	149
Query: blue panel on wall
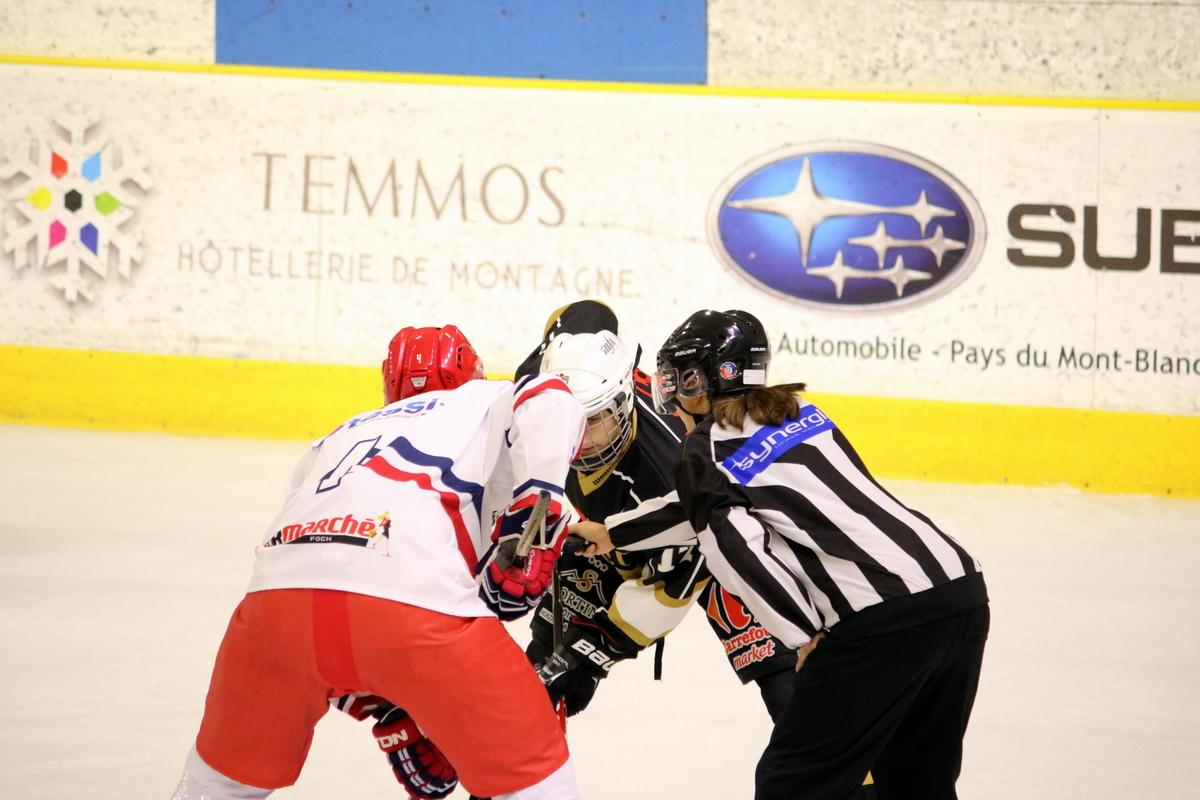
648	41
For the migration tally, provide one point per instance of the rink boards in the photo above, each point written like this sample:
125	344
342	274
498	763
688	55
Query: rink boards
978	289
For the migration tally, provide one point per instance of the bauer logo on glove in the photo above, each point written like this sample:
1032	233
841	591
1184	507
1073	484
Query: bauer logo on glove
573	671
594	654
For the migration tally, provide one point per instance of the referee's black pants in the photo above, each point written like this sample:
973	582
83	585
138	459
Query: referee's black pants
894	703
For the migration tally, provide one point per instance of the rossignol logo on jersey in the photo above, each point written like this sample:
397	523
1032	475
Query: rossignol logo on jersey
772	441
411	408
593	654
367	532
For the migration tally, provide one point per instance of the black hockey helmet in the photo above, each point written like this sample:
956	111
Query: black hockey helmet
712	353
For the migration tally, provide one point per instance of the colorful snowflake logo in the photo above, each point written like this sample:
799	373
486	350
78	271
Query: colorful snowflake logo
70	202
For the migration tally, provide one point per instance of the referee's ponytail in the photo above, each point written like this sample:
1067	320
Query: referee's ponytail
765	405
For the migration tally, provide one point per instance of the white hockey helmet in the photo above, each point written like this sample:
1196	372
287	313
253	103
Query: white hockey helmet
598	369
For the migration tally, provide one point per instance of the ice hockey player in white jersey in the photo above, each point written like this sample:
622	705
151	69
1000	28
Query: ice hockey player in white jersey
365	585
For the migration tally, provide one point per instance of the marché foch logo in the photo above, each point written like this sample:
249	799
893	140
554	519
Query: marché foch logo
847	226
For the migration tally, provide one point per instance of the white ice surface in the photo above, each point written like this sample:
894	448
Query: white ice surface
122	555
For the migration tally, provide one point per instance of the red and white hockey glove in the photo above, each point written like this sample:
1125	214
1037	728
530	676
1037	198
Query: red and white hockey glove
417	763
511	524
514	590
361	705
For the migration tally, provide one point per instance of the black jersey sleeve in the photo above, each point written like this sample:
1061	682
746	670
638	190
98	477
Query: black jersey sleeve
657	522
700	487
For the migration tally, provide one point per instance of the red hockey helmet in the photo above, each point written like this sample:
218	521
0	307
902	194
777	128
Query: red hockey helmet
428	359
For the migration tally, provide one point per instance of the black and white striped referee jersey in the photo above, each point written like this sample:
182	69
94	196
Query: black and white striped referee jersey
791	521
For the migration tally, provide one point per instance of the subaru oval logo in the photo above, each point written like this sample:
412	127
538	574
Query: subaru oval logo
847	226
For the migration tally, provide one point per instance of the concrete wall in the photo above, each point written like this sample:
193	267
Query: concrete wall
153	30
1143	49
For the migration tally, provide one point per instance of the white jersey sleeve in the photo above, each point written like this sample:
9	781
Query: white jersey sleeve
398	502
548	424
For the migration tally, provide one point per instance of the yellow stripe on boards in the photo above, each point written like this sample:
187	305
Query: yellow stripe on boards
1104	451
364	76
180	394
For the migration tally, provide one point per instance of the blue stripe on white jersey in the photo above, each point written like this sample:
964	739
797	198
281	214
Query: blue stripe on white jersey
444	465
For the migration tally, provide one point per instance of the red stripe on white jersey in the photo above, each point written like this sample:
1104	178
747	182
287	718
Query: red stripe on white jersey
528	500
540	385
451	503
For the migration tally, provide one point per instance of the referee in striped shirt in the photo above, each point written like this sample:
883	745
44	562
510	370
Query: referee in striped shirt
889	614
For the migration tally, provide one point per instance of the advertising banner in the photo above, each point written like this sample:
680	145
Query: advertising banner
1011	255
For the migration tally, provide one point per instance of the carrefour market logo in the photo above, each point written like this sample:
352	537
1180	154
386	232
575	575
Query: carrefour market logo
70	200
848	226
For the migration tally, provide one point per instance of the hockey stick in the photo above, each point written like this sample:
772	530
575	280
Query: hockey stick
534	526
537	525
556	637
571	545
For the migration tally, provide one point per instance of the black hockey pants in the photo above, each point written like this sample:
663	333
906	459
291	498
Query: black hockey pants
894	703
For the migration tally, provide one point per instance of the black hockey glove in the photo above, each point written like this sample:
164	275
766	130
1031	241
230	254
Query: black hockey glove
575	669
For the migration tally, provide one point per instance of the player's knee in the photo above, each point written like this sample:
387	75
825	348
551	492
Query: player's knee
202	781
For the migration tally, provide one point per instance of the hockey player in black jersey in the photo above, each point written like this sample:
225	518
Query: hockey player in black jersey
888	613
617	605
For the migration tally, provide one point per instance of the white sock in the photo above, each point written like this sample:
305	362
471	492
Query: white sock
558	785
202	782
